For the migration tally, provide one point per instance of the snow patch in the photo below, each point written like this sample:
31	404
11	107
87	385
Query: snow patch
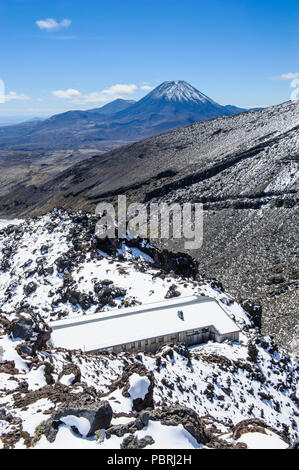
138	386
36	378
67	379
81	423
257	440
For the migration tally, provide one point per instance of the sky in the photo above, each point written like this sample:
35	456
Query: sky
57	55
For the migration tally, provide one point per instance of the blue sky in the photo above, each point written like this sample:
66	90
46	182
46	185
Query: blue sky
57	55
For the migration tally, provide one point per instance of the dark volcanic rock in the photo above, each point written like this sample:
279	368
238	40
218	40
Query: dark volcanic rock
138	403
29	288
99	415
30	327
107	294
173	416
254	310
132	442
22	328
71	369
25	350
254	425
172	292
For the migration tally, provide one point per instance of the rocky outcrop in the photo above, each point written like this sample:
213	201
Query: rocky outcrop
132	442
255	310
255	425
70	373
99	415
173	416
30	327
172	292
124	383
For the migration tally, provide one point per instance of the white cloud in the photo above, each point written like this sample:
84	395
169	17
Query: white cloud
286	76
103	96
146	87
66	94
49	24
120	89
289	76
12	95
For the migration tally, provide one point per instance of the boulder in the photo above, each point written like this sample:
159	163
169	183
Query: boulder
30	326
22	328
99	415
255	311
119	430
25	349
147	401
172	292
173	416
132	442
106	295
71	370
29	288
255	425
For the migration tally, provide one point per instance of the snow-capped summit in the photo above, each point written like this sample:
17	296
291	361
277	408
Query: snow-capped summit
169	105
179	90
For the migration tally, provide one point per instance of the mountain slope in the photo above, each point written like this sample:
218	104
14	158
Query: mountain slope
80	118
175	101
227	395
170	105
243	168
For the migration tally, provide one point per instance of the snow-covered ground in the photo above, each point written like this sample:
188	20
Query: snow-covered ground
51	268
6	222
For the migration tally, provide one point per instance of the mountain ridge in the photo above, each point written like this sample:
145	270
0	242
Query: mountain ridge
243	169
172	104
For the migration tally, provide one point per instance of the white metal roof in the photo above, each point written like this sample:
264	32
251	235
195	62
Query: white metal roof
126	325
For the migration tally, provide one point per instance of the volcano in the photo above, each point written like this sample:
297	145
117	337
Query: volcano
172	104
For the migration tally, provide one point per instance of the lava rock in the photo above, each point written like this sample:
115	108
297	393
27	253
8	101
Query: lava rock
22	328
99	415
71	369
29	288
172	292
132	442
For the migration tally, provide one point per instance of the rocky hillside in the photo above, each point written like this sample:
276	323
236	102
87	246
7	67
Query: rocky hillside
244	169
229	395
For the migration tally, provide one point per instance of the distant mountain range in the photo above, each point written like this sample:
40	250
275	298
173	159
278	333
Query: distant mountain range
172	104
13	120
